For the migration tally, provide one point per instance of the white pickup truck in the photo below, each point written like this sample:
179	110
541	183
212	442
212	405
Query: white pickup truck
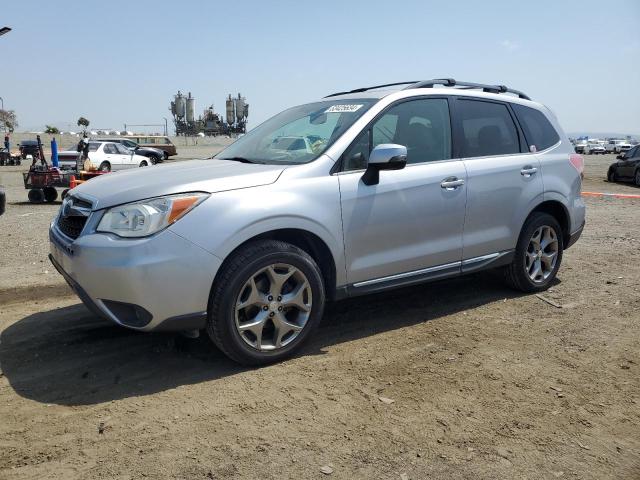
106	156
616	145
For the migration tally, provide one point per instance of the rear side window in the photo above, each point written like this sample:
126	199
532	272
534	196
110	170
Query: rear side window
487	129
537	129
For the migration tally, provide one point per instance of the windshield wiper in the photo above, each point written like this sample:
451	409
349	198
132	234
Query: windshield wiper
237	159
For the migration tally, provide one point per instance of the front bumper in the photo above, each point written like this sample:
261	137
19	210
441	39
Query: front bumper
157	283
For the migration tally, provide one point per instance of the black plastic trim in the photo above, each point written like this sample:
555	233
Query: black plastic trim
190	321
573	238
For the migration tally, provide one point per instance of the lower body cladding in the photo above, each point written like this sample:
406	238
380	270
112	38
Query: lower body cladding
156	283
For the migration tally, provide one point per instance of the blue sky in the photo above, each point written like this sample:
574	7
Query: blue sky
119	62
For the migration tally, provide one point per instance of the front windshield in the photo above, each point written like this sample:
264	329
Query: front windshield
297	135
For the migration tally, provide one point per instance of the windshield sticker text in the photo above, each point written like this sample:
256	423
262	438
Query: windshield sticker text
342	108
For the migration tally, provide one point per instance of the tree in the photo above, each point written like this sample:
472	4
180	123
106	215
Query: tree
52	130
83	122
8	119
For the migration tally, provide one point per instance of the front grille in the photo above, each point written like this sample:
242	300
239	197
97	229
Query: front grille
71	226
73	216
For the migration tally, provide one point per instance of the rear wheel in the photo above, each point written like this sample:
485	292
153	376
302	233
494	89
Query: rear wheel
36	195
143	163
105	167
637	178
50	194
266	302
538	254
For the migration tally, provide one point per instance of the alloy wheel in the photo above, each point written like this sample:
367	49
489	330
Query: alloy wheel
542	254
273	307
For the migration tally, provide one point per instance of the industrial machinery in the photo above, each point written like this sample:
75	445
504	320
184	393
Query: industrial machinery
237	113
209	123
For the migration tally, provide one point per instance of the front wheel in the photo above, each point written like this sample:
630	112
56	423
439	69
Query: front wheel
637	178
611	176
538	254
266	302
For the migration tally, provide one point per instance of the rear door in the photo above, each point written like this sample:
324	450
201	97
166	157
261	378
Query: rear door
504	181
126	157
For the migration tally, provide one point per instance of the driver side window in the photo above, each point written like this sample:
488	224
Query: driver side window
423	126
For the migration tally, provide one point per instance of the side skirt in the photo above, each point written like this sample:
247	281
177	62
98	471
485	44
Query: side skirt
425	275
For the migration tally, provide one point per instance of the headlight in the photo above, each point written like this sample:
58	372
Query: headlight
144	218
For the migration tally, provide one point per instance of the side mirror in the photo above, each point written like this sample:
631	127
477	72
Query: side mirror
621	156
386	156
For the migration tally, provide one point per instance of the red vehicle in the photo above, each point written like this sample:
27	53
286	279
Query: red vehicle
42	181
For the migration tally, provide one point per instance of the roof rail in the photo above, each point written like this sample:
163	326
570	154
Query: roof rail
450	82
364	89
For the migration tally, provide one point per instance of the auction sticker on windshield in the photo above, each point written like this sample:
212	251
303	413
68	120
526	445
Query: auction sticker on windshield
342	108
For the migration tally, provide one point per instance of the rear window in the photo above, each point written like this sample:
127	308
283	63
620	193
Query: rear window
487	128
537	129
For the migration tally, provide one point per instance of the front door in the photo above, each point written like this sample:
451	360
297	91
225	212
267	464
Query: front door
409	226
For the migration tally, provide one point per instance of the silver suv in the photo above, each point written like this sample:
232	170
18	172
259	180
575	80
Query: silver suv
362	191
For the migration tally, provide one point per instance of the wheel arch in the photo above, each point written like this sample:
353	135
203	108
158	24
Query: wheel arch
307	241
557	210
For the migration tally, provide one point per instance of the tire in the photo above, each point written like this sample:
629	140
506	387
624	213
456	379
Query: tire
143	163
64	193
636	178
36	195
246	274
155	159
105	167
519	274
611	176
50	194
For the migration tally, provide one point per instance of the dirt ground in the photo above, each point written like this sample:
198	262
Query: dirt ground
457	379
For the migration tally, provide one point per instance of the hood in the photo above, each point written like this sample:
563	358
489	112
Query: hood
209	176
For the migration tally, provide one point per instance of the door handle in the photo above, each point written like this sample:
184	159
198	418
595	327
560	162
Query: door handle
451	183
528	170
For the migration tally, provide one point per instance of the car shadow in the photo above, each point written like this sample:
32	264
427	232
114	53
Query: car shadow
68	356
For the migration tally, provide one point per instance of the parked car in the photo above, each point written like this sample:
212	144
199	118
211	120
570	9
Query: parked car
155	155
106	156
28	147
404	185
580	147
617	146
155	141
627	168
594	149
3	200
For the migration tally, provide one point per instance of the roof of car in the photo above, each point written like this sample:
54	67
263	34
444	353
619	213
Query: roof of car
444	86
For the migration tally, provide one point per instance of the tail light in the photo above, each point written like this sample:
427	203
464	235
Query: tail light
578	163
